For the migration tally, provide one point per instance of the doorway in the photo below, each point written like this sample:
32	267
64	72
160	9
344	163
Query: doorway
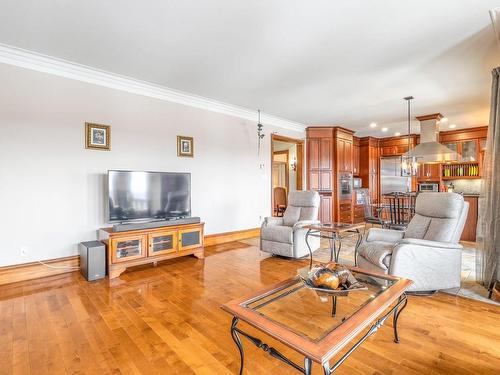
287	158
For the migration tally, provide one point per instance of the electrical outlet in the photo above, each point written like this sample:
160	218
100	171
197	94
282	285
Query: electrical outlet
24	251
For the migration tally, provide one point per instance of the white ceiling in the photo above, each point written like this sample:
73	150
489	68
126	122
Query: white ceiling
314	62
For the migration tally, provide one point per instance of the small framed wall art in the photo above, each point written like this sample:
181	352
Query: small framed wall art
97	137
185	146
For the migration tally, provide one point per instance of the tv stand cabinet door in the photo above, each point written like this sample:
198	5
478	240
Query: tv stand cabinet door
190	238
127	248
162	243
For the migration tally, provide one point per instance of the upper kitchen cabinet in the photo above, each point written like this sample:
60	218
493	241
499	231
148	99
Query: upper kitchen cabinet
394	146
429	172
344	149
468	150
355	156
466	142
320	158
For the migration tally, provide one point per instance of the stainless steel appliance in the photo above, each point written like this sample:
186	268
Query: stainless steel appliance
391	180
357	183
428	186
345	184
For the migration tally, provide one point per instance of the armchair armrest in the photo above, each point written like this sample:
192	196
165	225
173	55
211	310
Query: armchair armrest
385	235
303	223
427	243
431	265
272	220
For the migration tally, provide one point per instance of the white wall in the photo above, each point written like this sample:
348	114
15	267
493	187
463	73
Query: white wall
52	189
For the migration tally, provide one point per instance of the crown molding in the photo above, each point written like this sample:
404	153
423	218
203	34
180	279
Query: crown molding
62	68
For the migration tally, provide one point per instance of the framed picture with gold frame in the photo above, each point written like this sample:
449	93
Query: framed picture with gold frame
97	137
185	146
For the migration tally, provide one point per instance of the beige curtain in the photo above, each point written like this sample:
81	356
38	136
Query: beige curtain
488	258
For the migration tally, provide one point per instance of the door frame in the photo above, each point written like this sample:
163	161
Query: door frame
300	162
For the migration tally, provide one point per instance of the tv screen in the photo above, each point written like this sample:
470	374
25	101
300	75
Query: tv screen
148	195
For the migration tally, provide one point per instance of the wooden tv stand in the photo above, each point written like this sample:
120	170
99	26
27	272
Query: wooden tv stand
142	246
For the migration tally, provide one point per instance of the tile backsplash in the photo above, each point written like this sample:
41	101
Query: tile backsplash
466	186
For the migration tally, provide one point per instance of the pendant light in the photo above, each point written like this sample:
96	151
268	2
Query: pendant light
409	165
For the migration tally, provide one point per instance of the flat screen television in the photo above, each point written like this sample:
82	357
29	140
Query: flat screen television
147	196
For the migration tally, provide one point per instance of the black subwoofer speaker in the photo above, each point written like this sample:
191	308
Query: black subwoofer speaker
92	260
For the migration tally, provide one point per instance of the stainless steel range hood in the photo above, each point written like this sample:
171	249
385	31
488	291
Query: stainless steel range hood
429	150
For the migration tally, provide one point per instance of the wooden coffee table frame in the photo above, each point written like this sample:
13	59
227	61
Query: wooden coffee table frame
372	314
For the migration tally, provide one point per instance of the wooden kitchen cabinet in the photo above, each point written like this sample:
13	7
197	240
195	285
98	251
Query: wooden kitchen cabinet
469	232
325	154
429	172
325	208
313	152
320	159
369	165
355	159
344	155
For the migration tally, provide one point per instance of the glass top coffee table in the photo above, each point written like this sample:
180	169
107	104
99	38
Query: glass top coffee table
334	233
302	319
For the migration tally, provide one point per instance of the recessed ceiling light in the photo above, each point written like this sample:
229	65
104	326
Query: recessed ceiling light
385	129
397	134
453	126
373	125
444	120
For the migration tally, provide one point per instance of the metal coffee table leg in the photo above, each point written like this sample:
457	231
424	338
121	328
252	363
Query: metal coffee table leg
397	312
236	339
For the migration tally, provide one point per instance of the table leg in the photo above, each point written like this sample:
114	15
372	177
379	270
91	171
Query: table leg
326	368
309	248
337	246
358	242
331	242
236	339
397	312
334	306
307	366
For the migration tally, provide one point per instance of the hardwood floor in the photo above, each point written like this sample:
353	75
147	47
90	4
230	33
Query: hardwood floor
167	320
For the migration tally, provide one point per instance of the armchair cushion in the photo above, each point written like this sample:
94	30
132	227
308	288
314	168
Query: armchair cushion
439	205
291	215
384	235
307	213
377	252
417	228
441	230
277	233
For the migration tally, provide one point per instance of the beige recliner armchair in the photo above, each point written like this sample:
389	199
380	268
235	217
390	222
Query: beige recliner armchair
428	251
285	235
